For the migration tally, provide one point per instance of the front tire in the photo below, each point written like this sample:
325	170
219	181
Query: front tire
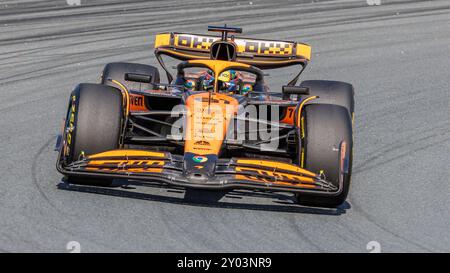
95	116
327	126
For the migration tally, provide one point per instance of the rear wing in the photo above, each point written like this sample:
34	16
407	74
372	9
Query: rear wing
264	54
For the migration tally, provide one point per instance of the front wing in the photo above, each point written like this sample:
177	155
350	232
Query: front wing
258	174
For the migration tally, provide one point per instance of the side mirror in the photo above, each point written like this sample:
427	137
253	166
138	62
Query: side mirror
133	77
289	90
295	90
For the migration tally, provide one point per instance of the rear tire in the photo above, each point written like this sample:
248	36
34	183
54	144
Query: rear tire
326	127
97	124
331	92
117	71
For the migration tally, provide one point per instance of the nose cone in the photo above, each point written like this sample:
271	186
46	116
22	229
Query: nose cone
207	122
199	168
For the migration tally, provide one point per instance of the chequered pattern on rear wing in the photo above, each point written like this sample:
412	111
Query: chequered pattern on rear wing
256	47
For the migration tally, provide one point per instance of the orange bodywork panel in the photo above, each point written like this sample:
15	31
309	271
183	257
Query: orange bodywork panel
146	166
274	172
276	165
208	118
278	175
289	116
301	184
125	163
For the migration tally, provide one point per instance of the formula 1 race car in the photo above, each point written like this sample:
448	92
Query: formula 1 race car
215	125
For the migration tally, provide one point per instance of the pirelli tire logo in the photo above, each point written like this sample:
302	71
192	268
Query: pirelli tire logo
203	43
70	127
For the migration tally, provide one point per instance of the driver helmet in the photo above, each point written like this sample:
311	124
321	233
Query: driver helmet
230	81
190	84
207	80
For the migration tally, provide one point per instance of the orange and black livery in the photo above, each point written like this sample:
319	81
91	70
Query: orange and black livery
215	124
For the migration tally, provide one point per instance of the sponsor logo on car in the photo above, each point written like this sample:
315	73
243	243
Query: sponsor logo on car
200	159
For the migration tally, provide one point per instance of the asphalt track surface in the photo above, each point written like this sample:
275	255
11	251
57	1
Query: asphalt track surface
396	55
